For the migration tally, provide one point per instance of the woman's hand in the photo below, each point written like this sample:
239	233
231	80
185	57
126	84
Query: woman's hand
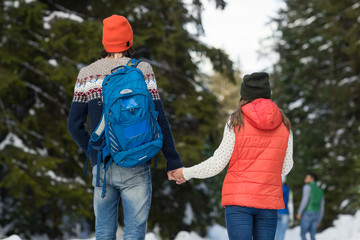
178	175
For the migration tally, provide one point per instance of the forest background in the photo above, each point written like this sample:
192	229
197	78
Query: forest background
44	43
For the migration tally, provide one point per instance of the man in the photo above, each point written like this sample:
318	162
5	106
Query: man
131	185
312	205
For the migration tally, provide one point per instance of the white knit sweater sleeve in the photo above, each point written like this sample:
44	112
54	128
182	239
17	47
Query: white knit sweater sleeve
288	161
215	164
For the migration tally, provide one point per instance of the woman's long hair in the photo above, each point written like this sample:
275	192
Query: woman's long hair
237	117
128	53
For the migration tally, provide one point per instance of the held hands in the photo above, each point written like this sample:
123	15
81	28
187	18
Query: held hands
179	177
176	175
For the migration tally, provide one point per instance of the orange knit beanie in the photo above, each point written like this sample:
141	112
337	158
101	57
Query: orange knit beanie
117	34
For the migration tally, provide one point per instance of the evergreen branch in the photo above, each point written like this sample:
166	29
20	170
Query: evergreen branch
64	9
32	68
7	120
177	73
45	95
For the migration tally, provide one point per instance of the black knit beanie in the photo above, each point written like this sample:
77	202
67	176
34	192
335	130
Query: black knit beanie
255	85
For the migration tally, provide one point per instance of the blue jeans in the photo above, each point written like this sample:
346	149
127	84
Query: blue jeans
133	185
246	223
282	225
308	223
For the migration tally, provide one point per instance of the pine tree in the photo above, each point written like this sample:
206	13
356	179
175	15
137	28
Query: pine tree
317	83
44	44
37	157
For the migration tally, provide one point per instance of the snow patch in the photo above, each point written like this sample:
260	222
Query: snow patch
315	39
356	5
325	46
338	135
151	236
302	22
188	236
312	116
306	60
141	10
166	190
56	178
32	112
80	181
189	215
344	203
349	80
14	4
13	237
43	152
298	103
217	232
12	139
203	187
345	227
60	15
53	62
198	88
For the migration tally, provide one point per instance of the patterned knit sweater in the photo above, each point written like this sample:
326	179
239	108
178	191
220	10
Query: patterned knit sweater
88	101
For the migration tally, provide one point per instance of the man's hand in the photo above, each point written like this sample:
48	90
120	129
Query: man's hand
176	175
298	216
170	175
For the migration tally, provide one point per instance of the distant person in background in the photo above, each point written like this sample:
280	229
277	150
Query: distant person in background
258	143
285	215
311	210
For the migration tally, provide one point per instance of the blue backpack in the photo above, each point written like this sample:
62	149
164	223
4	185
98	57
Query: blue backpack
128	132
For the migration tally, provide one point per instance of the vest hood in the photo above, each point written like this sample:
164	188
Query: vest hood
263	114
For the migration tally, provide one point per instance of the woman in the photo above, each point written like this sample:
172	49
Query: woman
258	143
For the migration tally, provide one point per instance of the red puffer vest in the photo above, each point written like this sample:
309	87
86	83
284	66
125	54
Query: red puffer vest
253	178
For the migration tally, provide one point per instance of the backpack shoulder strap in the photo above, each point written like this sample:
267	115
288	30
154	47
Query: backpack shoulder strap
133	62
99	131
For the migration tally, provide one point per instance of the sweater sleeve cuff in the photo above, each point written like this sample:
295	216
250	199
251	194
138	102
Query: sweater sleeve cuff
187	173
174	164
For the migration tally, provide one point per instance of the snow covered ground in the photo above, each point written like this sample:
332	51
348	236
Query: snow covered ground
345	227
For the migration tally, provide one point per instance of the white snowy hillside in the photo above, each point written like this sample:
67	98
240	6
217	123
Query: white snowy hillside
345	227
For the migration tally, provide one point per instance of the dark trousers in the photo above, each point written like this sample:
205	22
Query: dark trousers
245	223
